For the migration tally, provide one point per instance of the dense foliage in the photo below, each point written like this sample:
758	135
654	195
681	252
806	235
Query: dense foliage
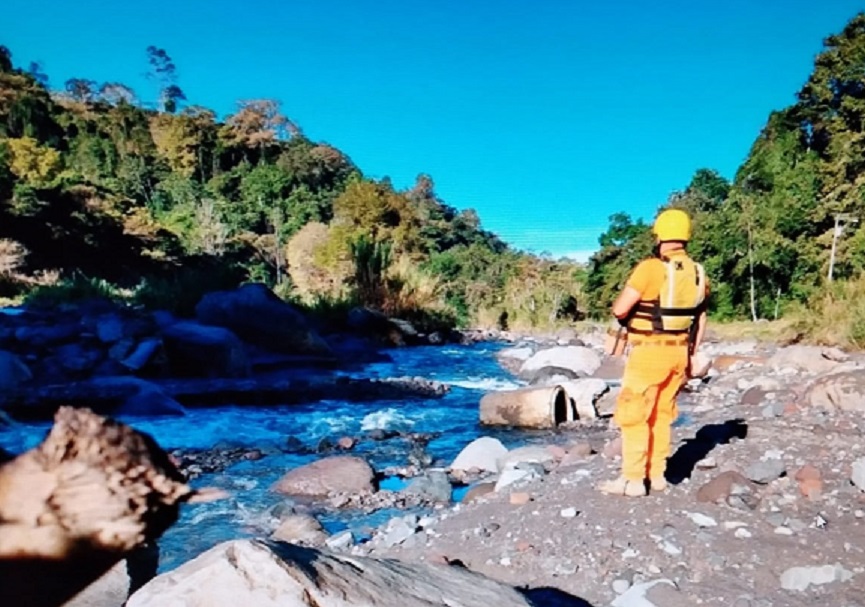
162	202
766	239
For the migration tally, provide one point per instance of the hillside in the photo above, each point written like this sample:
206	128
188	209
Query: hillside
100	193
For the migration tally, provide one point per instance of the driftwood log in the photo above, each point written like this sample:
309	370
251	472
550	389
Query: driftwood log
71	508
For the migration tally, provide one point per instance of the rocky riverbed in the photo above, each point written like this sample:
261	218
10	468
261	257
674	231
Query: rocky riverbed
766	504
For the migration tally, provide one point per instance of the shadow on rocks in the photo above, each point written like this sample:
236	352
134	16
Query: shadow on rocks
681	465
552	597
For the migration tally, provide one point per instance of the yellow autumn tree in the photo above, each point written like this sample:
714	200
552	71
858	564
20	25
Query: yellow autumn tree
33	163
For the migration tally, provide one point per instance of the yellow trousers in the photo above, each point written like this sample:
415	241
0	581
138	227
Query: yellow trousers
646	406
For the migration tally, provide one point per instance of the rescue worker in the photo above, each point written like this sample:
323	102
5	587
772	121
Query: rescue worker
663	308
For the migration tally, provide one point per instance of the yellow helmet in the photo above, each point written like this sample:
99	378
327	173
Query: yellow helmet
672	224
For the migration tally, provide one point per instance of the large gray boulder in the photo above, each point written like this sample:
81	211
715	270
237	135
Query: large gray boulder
200	350
842	391
256	315
481	454
580	360
337	474
272	574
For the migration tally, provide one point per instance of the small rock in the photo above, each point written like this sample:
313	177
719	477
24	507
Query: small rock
340	541
346	443
765	471
621	586
520	498
701	520
858	473
810	481
568	512
742	533
613	448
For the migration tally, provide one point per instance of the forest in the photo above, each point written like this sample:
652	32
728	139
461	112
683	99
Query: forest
766	239
102	193
160	202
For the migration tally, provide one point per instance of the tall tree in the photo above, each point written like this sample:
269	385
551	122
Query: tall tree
164	73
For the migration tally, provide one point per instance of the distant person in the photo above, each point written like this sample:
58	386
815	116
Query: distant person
663	309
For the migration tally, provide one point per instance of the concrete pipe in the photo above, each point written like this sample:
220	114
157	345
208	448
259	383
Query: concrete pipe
540	407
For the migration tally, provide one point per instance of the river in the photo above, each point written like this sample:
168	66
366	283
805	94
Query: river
470	370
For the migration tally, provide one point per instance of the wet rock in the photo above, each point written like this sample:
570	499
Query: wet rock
482	454
141	355
346	443
337	474
434	485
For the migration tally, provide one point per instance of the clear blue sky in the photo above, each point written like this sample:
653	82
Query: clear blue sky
545	117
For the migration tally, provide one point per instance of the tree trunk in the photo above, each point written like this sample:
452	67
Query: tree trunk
78	503
751	266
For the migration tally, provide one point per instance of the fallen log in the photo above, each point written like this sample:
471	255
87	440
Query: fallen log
92	492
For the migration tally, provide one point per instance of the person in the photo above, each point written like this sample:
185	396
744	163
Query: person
663	309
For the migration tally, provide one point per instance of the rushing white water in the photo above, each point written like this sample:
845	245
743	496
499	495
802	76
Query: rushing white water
470	370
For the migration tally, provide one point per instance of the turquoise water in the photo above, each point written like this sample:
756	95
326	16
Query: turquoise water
470	370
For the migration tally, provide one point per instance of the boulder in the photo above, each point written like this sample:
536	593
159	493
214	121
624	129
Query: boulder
77	358
121	581
109	328
336	474
270	574
550	376
482	454
843	391
42	336
373	323
434	485
136	397
256	315
578	359
204	351
809	359
300	528
528	454
13	371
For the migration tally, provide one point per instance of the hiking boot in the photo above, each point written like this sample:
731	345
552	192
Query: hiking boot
622	486
658	484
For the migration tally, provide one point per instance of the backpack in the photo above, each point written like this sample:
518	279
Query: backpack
681	298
